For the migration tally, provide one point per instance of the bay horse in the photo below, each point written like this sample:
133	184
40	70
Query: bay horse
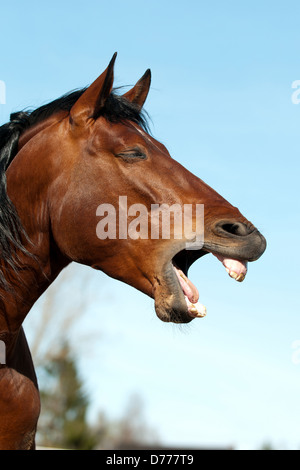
57	164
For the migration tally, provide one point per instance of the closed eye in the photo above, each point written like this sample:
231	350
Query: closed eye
132	154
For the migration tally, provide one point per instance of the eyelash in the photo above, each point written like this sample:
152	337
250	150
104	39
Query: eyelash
132	155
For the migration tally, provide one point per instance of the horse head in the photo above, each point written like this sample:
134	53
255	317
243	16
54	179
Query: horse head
98	154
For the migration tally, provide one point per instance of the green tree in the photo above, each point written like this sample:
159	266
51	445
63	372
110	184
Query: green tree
63	420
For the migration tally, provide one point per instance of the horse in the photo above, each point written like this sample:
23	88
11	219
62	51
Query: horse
58	163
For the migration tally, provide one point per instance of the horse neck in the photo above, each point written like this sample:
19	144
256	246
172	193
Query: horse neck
32	277
27	183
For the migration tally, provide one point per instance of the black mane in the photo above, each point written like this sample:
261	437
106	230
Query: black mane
117	109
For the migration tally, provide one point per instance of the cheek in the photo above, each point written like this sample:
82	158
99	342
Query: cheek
73	224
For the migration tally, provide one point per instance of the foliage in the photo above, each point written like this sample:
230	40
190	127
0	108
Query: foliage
63	420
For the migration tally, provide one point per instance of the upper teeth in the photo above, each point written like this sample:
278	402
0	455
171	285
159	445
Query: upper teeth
238	277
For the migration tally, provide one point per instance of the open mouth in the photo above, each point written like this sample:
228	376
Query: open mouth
233	244
182	261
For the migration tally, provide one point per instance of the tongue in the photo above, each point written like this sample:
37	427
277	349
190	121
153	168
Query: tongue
236	269
187	286
191	295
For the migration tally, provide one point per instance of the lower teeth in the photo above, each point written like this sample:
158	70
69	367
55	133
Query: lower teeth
197	310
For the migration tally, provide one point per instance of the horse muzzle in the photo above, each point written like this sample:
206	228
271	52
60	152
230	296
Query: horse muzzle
233	243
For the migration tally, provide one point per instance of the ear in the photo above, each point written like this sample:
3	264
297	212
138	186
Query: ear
139	92
93	99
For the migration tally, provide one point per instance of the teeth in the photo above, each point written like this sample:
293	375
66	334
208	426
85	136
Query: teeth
233	274
238	277
197	310
235	268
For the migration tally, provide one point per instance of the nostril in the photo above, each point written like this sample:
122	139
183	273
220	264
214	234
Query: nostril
235	228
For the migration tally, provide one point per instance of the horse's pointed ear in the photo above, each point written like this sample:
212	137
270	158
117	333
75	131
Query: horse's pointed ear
91	102
139	92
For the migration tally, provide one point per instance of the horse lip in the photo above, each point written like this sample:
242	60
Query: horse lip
245	243
246	248
170	304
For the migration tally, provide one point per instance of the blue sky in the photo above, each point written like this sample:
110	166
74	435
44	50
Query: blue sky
221	102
